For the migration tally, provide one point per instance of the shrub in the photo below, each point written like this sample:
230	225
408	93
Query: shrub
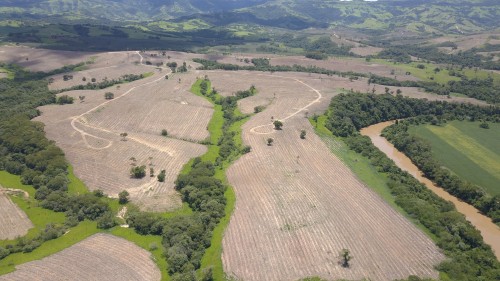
138	172
123	197
109	95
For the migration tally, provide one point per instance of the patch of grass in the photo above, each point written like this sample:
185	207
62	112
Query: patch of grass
75	186
151	243
362	168
75	235
467	150
425	74
8	74
182	211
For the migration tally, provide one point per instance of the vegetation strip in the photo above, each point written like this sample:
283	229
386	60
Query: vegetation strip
469	256
204	188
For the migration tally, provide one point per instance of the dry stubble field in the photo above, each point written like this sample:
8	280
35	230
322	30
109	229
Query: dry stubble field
100	257
89	134
298	205
13	221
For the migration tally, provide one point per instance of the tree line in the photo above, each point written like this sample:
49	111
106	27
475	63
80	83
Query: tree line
482	89
25	151
467	58
105	83
469	257
420	153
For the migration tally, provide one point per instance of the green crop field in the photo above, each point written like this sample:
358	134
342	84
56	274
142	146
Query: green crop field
467	150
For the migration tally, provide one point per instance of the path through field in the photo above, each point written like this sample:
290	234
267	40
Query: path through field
89	134
101	257
298	205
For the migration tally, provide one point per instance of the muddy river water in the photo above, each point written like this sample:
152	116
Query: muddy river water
489	230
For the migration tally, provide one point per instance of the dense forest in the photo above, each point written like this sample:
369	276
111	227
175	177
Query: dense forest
470	258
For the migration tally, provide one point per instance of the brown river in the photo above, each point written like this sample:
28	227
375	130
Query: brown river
489	230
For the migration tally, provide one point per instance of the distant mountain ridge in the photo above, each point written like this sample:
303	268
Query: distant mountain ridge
449	16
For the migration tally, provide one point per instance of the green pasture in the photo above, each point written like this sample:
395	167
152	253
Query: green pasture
471	152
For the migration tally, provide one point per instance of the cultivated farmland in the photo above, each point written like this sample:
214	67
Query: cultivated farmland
99	257
13	220
89	133
467	150
298	205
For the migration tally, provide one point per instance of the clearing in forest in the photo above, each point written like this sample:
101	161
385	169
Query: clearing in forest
467	150
298	205
99	257
13	221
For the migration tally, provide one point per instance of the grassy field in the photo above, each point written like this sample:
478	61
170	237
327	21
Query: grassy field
467	150
443	76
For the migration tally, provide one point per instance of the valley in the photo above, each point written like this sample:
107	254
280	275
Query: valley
249	140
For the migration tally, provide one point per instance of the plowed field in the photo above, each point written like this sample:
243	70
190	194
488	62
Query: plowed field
99	257
13	221
298	205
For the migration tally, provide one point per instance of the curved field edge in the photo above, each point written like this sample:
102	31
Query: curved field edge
461	161
41	217
361	167
212	257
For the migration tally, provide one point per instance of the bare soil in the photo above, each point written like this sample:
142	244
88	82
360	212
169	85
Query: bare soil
89	134
99	257
298	205
13	221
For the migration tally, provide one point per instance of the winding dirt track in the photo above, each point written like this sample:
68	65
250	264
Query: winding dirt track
298	205
89	132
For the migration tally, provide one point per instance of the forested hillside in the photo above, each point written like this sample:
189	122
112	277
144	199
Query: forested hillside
429	16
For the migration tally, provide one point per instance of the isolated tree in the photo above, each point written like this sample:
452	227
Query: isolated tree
151	172
303	134
398	91
258	109
84	79
109	95
345	257
278	124
161	176
81	98
164	132
123	197
124	136
93	80
270	141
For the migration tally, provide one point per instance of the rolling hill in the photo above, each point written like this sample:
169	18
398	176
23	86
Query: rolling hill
429	16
